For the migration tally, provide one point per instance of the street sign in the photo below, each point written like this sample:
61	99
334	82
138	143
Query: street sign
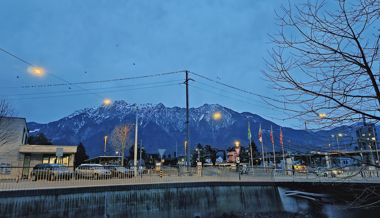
237	149
237	159
59	152
161	151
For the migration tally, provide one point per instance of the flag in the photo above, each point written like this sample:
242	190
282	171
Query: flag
281	136
271	134
249	132
260	137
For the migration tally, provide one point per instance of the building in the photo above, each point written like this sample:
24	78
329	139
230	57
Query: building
17	157
367	140
366	136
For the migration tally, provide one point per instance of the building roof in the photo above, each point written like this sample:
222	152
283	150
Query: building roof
47	149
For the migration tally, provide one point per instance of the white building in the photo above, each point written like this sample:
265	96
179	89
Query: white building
17	157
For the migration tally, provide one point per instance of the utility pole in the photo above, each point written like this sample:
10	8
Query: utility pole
375	142
187	121
135	153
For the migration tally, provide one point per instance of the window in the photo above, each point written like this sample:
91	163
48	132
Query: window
23	137
45	159
369	134
363	134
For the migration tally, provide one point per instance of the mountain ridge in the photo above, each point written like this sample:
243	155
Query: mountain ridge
164	127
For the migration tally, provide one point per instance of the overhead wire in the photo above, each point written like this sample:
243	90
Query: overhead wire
91	93
76	84
235	95
114	87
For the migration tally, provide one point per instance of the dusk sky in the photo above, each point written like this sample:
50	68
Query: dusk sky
88	40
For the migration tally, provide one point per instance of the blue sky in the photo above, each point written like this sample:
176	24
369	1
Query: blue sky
90	40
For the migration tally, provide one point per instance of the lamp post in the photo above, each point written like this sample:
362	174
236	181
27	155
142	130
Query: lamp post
105	144
237	149
199	154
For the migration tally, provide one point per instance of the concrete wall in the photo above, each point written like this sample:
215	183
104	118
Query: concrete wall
208	199
160	200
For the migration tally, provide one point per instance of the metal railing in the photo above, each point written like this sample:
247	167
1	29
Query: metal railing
25	179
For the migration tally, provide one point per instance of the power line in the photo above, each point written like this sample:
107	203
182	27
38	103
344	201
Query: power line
71	91
91	93
226	85
234	94
101	81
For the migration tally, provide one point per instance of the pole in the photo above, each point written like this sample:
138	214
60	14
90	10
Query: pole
135	153
187	120
274	152
250	144
283	153
377	152
262	151
141	147
337	141
105	143
140	152
176	149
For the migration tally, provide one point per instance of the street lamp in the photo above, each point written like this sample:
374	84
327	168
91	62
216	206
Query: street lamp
322	115
217	116
37	71
107	101
237	149
199	154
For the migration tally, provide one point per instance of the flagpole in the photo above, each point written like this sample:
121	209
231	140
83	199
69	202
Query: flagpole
250	144
282	144
262	146
274	152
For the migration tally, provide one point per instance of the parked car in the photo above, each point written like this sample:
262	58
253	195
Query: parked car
119	171
322	171
94	171
51	172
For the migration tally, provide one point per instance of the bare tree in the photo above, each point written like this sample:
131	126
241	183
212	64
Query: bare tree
7	130
120	138
324	62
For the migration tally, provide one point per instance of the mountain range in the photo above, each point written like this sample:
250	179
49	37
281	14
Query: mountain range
161	127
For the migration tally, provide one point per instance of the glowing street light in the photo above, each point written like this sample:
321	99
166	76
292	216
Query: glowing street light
107	101
237	143
322	115
37	71
217	115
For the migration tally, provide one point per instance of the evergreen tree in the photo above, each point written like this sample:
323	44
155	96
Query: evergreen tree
255	151
81	155
39	139
194	156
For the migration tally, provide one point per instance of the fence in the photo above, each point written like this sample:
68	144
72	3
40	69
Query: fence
66	178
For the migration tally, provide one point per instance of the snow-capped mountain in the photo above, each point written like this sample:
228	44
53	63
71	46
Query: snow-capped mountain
165	127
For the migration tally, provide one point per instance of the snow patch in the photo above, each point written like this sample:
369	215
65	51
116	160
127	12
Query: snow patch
36	130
